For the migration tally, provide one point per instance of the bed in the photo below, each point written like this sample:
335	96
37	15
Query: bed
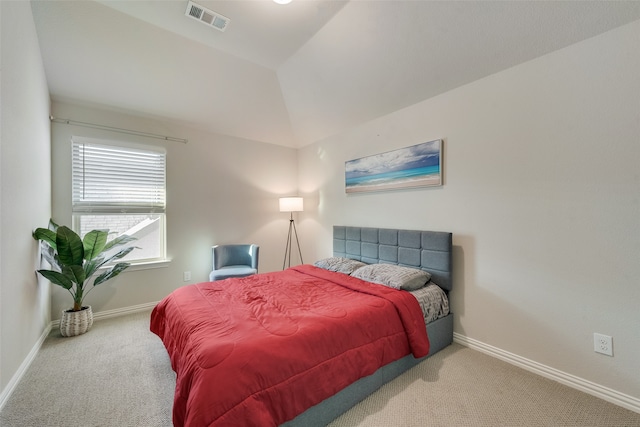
301	346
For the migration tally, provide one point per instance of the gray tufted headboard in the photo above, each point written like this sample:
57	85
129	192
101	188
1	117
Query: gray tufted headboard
428	250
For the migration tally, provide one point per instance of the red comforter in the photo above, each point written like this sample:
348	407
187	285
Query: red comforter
259	350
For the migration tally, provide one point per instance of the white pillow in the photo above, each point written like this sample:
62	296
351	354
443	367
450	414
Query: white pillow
394	276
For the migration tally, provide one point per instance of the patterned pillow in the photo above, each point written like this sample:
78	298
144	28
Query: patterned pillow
394	276
341	265
433	301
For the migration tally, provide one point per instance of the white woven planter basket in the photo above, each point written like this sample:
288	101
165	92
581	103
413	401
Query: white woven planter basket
75	323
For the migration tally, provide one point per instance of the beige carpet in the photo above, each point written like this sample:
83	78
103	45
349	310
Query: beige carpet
462	387
119	374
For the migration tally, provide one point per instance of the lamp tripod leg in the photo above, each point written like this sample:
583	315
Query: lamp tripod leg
297	242
287	248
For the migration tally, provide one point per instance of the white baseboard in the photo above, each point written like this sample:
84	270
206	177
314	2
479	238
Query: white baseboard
613	396
8	390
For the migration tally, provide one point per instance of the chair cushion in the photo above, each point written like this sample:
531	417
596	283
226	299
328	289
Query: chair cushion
231	271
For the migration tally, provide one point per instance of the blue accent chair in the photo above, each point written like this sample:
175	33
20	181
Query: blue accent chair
234	261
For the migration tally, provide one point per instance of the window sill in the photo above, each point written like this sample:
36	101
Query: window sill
147	265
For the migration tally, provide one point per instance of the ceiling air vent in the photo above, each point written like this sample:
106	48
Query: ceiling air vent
206	16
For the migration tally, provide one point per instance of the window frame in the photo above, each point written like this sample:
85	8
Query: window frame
136	264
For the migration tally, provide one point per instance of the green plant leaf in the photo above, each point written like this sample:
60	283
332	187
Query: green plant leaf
66	252
93	265
57	278
75	273
120	240
94	243
111	273
120	254
45	235
69	246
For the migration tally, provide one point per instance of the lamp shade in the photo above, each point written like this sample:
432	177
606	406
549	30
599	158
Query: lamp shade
291	204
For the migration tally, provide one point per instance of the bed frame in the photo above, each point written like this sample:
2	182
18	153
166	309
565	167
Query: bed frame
427	250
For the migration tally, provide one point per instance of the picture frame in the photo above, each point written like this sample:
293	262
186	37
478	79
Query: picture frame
418	165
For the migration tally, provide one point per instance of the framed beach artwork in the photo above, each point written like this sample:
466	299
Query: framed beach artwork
415	166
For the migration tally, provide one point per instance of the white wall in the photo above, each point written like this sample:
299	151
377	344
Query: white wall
219	190
542	194
25	195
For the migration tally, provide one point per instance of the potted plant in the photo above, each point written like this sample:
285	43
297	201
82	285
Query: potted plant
74	262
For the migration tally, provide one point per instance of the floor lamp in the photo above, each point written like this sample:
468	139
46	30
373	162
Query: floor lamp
291	205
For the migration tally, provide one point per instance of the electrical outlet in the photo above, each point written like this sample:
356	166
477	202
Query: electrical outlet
186	276
603	344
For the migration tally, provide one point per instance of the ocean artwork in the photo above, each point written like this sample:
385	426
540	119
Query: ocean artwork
416	166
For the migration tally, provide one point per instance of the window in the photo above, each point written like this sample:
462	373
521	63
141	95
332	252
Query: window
121	188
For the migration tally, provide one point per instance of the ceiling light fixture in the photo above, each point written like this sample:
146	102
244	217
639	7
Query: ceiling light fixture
282	1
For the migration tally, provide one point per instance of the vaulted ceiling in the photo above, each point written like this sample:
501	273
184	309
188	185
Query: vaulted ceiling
295	74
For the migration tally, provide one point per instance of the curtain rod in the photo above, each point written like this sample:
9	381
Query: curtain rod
114	129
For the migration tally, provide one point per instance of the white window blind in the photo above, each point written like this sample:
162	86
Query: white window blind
111	179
